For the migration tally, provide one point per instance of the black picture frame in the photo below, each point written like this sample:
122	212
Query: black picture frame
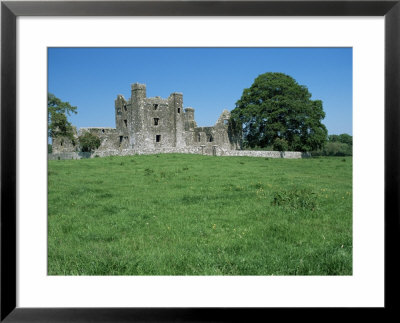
10	10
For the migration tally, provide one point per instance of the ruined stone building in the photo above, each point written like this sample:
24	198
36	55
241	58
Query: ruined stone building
146	125
156	125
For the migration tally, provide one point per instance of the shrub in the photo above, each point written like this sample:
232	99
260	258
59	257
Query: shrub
337	149
280	144
337	145
89	142
334	149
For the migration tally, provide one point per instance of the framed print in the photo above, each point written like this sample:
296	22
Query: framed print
37	36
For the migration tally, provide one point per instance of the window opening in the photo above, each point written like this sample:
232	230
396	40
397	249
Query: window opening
210	139
158	138
225	122
155	106
156	121
179	110
125	107
126	123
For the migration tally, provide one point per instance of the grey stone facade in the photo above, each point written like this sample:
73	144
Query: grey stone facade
145	125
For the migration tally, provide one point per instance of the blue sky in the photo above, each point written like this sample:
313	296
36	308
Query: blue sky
211	79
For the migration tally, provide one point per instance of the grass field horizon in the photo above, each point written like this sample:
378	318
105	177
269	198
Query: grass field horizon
177	214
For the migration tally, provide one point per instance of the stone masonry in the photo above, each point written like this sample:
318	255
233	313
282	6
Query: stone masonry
157	125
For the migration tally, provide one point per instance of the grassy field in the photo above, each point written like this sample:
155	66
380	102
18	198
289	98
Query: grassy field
200	215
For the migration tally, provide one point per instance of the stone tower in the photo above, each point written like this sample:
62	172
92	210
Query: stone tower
122	117
150	123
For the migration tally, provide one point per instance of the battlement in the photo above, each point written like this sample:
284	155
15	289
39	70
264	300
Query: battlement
138	86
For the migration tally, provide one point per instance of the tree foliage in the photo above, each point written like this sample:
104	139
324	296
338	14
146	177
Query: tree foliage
337	145
277	107
58	124
280	144
337	149
89	142
343	138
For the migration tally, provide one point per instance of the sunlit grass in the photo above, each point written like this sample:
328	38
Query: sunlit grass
200	215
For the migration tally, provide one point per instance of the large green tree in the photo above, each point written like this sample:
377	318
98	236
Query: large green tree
277	111
58	124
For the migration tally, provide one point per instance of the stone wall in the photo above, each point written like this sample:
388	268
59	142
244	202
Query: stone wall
109	137
66	145
69	155
268	154
63	144
199	150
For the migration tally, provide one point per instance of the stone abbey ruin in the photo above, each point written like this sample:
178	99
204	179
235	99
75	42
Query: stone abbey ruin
156	125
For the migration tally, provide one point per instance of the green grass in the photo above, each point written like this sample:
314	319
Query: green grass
200	215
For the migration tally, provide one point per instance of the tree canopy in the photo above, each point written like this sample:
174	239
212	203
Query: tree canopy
277	111
58	124
343	138
337	145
